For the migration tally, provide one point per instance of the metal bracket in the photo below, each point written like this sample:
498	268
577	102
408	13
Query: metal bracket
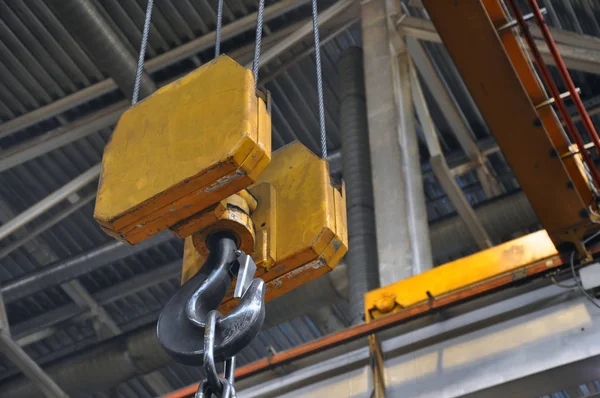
514	23
247	269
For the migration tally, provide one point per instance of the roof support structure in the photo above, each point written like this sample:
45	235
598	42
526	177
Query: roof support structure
580	53
155	64
442	171
454	116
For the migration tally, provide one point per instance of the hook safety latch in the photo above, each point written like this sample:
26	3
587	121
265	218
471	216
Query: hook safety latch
181	325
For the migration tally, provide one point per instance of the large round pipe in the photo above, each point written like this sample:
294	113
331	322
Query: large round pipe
363	274
84	21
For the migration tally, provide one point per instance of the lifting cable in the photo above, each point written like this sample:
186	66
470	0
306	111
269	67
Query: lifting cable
258	41
218	28
230	363
142	54
315	17
255	62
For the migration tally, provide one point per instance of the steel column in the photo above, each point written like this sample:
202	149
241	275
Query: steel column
400	243
393	239
362	260
416	210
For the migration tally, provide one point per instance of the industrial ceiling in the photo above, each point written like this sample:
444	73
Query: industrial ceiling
68	286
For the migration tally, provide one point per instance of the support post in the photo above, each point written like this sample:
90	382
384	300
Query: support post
390	139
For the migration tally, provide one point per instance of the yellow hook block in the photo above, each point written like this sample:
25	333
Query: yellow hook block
190	145
300	223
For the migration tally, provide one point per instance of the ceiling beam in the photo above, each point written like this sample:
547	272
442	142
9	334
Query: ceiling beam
579	52
152	65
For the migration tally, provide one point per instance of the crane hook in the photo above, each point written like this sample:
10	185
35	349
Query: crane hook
181	324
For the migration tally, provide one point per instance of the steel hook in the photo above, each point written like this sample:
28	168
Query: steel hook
181	324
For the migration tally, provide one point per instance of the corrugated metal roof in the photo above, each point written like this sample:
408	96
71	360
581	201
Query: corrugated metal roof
40	62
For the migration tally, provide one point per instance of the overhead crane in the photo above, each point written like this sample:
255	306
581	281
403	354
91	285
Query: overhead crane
196	158
490	44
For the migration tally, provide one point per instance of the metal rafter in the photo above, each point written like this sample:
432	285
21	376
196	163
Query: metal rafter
453	115
442	171
580	52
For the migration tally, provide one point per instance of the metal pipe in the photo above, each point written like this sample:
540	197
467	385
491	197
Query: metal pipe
49	201
363	274
105	46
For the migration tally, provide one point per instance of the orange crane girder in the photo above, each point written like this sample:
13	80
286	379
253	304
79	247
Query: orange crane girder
498	73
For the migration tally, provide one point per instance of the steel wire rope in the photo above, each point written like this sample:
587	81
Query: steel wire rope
142	55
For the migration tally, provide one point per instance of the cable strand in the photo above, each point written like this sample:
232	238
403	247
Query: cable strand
219	28
142	55
315	17
258	41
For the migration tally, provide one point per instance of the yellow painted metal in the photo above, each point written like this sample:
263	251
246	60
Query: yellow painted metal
264	218
249	198
191	144
234	219
311	213
308	225
460	274
252	223
499	75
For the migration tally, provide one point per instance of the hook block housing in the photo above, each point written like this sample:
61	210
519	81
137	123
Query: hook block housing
188	146
310	229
